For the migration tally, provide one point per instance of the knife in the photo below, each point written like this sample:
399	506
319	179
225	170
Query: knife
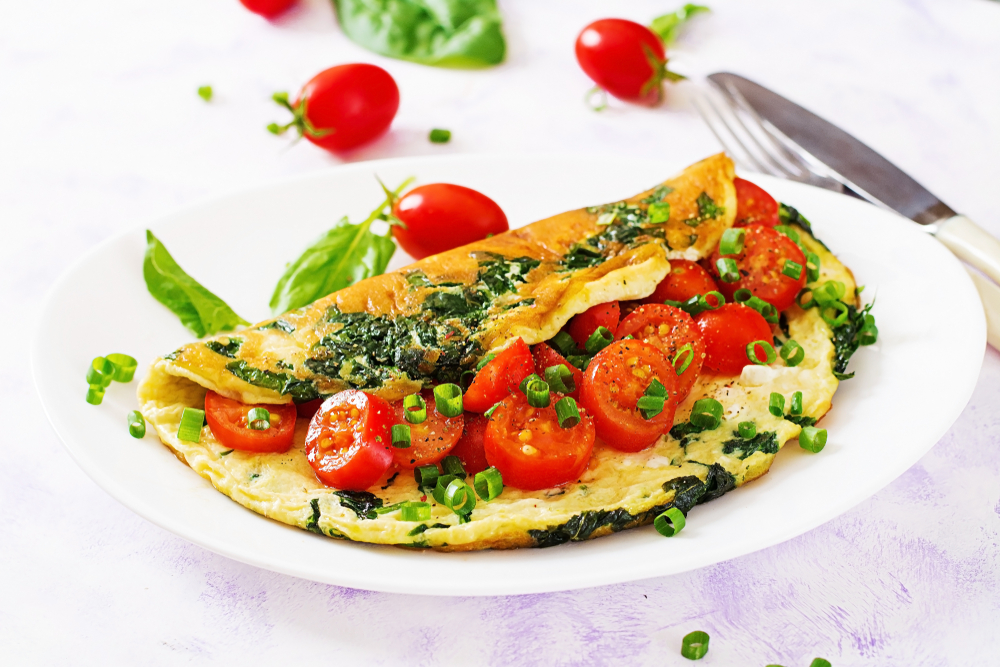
863	171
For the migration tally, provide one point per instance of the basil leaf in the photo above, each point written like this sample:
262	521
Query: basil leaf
444	33
669	26
200	311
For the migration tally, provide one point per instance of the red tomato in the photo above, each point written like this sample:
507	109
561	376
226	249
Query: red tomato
616	379
431	439
346	106
349	440
727	332
308	409
531	450
228	420
604	315
268	8
499	377
545	356
442	216
685	280
624	58
669	329
754	206
469	449
761	263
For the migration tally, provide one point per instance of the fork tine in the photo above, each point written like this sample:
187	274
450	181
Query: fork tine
724	131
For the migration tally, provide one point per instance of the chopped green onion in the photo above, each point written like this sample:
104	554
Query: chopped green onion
459	498
448	399
699	303
205	93
489	413
485	360
769	354
694	646
742	295
789	232
831	290
415	409
452	465
386	509
650	406
488	484
792	269
564	343
776	404
466	379
401	436
868	333
720	300
812	267
706	414
820	662
426	476
579	361
538	394
812	439
560	379
656	388
567	412
124	366
101	372
795	408
440	136
190	426
684	356
767	311
607	218
792	353
729	272
441	485
747	430
258	419
658	212
95	394
839	316
414	510
811	303
670	522
598	340
528	380
731	242
136	424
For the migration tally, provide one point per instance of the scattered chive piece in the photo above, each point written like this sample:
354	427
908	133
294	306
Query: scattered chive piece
742	295
386	509
706	414
560	379
789	232
136	424
687	354
488	484
426	476
441	485
670	522
839	316
95	394
658	212
812	439
694	646
485	360
124	366
459	498
538	394
226	453
579	361
448	399
795	408
805	305
205	93
567	412
415	409
656	388
489	413
190	427
767	311
528	380
728	271
792	269
820	662
769	354
438	136
731	242
607	218
792	353
564	343
415	511
401	436
650	406
831	290
747	430
465	380
776	404
101	372
868	333
452	465
598	340
812	267
258	419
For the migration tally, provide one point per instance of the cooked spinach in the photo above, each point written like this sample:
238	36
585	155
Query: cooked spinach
626	228
423	528
229	349
281	325
801	420
659	194
707	210
362	503
846	340
313	524
791	216
501	275
765	441
301	391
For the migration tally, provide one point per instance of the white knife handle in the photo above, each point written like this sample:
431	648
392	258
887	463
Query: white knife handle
971	244
990	295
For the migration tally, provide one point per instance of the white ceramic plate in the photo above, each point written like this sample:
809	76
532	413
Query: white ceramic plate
909	388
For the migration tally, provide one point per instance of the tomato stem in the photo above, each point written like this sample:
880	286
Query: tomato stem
299	120
660	74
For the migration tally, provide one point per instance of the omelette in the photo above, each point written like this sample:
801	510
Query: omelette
429	322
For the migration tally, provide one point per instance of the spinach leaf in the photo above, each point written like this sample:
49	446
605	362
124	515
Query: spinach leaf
301	391
847	339
230	349
765	441
669	26
344	255
361	503
443	33
200	311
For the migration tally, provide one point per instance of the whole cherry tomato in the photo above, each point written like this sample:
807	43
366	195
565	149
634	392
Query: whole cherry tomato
442	216
228	420
268	8
753	205
348	442
727	332
762	265
586	323
469	449
545	357
669	329
431	439
499	377
685	280
624	58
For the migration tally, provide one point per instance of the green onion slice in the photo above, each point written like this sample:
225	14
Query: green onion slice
767	311
792	353
426	476
414	510
136	424
439	136
560	379
579	361
831	290
706	414
776	404
607	218
564	343
747	430
124	366
101	372
670	522
805	305
659	212
598	340
459	498
656	388
834	313
694	646
488	484
769	354
401	436
789	232
812	439
567	412
682	359
868	334
258	419
795	408
728	271
731	242
528	380
792	269
415	408
650	406
466	379
699	303
820	662
190	427
538	394
812	267
452	465
485	360
441	485
95	394
448	399
742	295
489	413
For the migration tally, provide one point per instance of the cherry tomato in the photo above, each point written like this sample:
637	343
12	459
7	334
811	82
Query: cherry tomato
616	379
669	329
442	216
469	449
499	377
761	263
545	356
228	420
308	409
531	450
604	315
349	440
685	280
431	439
268	8
727	332
624	58
346	106
754	206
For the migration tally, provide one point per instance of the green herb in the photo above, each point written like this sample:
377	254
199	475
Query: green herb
791	216
659	194
228	349
280	325
136	424
694	646
124	366
440	136
199	310
707	210
669	26
362	503
313	524
205	93
443	33
766	441
301	391
849	336
801	420
670	522
226	453
189	429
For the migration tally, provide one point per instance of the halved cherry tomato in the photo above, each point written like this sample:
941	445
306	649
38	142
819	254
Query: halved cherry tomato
604	315
499	377
531	450
761	266
669	329
616	379
624	58
431	439
348	442
469	449
442	216
754	206
228	420
727	332
308	409
545	356
685	280
268	8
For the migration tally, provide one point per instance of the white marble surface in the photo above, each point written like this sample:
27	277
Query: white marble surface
102	130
